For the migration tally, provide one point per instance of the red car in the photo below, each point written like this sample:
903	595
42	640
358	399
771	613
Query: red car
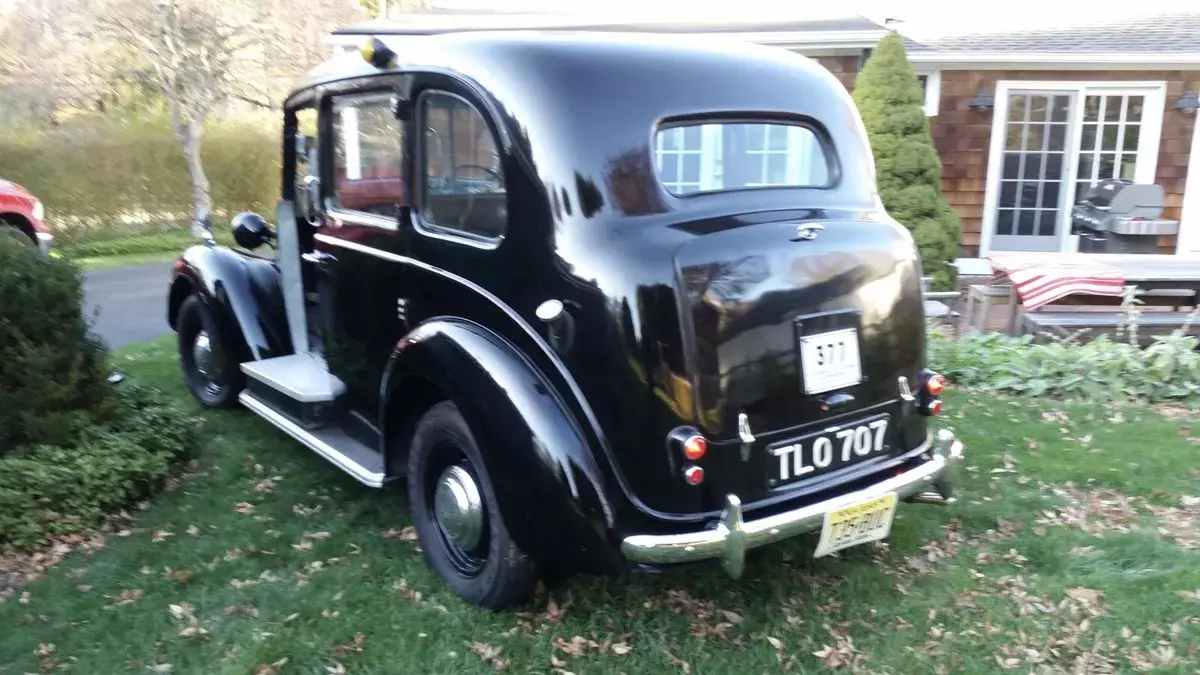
22	215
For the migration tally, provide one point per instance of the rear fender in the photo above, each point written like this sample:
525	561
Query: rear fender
242	294
546	478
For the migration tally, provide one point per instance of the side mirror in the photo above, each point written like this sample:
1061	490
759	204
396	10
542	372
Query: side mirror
250	230
202	226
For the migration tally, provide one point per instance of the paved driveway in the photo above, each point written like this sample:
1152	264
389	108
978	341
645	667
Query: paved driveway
132	302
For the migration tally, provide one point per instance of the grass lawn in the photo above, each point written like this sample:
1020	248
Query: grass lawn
1074	549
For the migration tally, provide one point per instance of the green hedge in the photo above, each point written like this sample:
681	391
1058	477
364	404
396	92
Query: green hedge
174	240
101	179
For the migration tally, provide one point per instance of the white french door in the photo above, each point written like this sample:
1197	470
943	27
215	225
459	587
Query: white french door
1051	141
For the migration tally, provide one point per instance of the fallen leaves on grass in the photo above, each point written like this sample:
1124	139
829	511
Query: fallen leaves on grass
18	567
45	656
266	485
407	533
708	622
1094	512
489	654
577	646
184	615
245	610
532	624
402	588
244	507
355	645
127	597
304	509
684	666
160	536
1181	523
272	669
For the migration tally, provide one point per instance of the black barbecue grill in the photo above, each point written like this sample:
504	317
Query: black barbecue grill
1120	216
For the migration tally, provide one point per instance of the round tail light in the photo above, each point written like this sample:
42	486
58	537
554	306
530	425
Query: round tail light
695	447
694	475
935	385
935	406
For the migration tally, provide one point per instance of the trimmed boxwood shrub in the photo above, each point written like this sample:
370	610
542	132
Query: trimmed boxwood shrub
52	370
48	490
71	447
908	172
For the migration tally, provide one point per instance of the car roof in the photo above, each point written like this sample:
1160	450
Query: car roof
473	53
576	102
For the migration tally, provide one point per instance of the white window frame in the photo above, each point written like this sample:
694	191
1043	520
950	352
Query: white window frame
1153	108
1188	240
709	153
933	90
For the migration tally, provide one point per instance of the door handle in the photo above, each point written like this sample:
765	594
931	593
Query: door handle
318	257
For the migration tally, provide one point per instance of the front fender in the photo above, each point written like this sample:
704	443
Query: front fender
548	483
243	295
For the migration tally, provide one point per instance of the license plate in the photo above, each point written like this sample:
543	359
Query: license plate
830	360
828	449
869	520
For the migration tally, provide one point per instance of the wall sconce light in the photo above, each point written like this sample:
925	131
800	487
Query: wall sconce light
1188	103
982	102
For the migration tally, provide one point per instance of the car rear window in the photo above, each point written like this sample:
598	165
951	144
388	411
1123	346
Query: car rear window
711	156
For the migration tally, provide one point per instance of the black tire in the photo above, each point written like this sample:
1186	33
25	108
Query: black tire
219	385
495	573
7	229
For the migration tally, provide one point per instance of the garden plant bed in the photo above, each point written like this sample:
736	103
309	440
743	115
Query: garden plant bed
1074	546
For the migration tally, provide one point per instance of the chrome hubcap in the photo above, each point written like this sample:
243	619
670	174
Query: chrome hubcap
459	507
202	354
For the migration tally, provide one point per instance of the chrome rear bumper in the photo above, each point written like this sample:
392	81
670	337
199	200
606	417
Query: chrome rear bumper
930	483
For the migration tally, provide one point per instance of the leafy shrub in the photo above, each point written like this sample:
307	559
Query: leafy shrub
52	370
908	171
101	178
1099	370
47	490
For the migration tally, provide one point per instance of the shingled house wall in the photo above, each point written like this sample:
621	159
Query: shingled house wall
963	136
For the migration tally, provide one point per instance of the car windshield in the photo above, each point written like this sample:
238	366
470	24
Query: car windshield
706	157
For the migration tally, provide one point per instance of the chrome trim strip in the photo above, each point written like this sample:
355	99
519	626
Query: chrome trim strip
931	482
357	218
356	470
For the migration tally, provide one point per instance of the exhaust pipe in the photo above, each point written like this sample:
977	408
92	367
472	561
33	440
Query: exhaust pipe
932	498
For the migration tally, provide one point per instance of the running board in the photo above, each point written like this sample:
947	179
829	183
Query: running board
362	463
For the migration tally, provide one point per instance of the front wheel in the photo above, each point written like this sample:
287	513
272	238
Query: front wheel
208	366
10	231
457	516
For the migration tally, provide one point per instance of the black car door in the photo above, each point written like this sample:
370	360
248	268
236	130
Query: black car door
360	246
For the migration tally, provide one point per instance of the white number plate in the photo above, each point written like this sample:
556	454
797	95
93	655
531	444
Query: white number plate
829	449
830	360
868	520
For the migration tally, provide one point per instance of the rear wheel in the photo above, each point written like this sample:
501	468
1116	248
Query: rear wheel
457	516
208	366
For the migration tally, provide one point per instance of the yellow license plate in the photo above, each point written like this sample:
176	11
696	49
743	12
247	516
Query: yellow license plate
869	520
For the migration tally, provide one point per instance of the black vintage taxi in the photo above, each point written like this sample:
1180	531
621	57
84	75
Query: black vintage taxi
602	301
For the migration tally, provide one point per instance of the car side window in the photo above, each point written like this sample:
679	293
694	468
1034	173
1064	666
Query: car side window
368	155
463	184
